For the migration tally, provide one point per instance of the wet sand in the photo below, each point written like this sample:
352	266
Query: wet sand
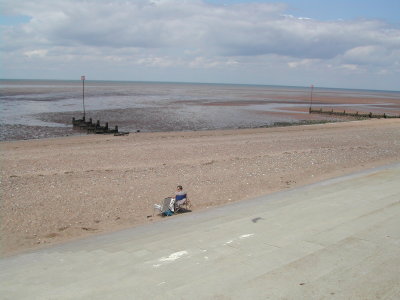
177	107
55	190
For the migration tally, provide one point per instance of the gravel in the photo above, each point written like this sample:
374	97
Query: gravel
55	190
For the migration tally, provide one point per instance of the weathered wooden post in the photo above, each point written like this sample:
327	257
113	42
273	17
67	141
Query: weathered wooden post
116	128
98	123
106	127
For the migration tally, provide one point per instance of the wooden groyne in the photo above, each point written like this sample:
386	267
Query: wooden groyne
96	128
352	114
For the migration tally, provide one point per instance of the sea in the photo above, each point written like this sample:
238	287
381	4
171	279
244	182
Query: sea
32	109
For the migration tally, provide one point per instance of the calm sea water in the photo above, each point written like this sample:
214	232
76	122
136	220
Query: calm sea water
41	108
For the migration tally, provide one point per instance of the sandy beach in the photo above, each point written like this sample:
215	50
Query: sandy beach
55	190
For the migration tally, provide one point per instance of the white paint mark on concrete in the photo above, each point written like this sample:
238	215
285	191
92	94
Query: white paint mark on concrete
156	266
246	235
173	256
243	236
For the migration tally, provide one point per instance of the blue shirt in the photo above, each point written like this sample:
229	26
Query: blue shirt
180	196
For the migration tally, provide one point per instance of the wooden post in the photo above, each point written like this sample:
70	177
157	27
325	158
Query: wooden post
116	128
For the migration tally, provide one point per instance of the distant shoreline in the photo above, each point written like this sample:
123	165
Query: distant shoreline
78	81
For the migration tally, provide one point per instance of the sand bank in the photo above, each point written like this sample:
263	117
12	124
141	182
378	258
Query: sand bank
54	190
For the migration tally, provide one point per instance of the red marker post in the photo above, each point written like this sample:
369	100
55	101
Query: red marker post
312	88
83	95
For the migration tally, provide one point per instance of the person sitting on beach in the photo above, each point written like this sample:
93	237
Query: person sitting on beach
180	196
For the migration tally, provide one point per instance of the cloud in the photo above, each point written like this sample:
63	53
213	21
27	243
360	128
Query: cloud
38	53
235	30
372	54
157	61
301	63
195	34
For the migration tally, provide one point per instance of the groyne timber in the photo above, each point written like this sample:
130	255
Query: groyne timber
95	128
357	114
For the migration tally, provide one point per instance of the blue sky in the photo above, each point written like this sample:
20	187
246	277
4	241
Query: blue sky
345	44
14	20
387	10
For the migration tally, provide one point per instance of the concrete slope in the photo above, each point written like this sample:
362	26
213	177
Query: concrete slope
338	239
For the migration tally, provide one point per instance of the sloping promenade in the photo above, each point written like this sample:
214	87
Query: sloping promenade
338	239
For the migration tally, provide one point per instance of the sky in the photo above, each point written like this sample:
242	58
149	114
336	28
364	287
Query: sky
339	44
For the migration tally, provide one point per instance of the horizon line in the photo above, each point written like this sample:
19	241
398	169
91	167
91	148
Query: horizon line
194	82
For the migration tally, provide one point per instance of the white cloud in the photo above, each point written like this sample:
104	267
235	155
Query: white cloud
195	34
350	67
156	61
302	63
38	53
239	30
204	62
372	54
